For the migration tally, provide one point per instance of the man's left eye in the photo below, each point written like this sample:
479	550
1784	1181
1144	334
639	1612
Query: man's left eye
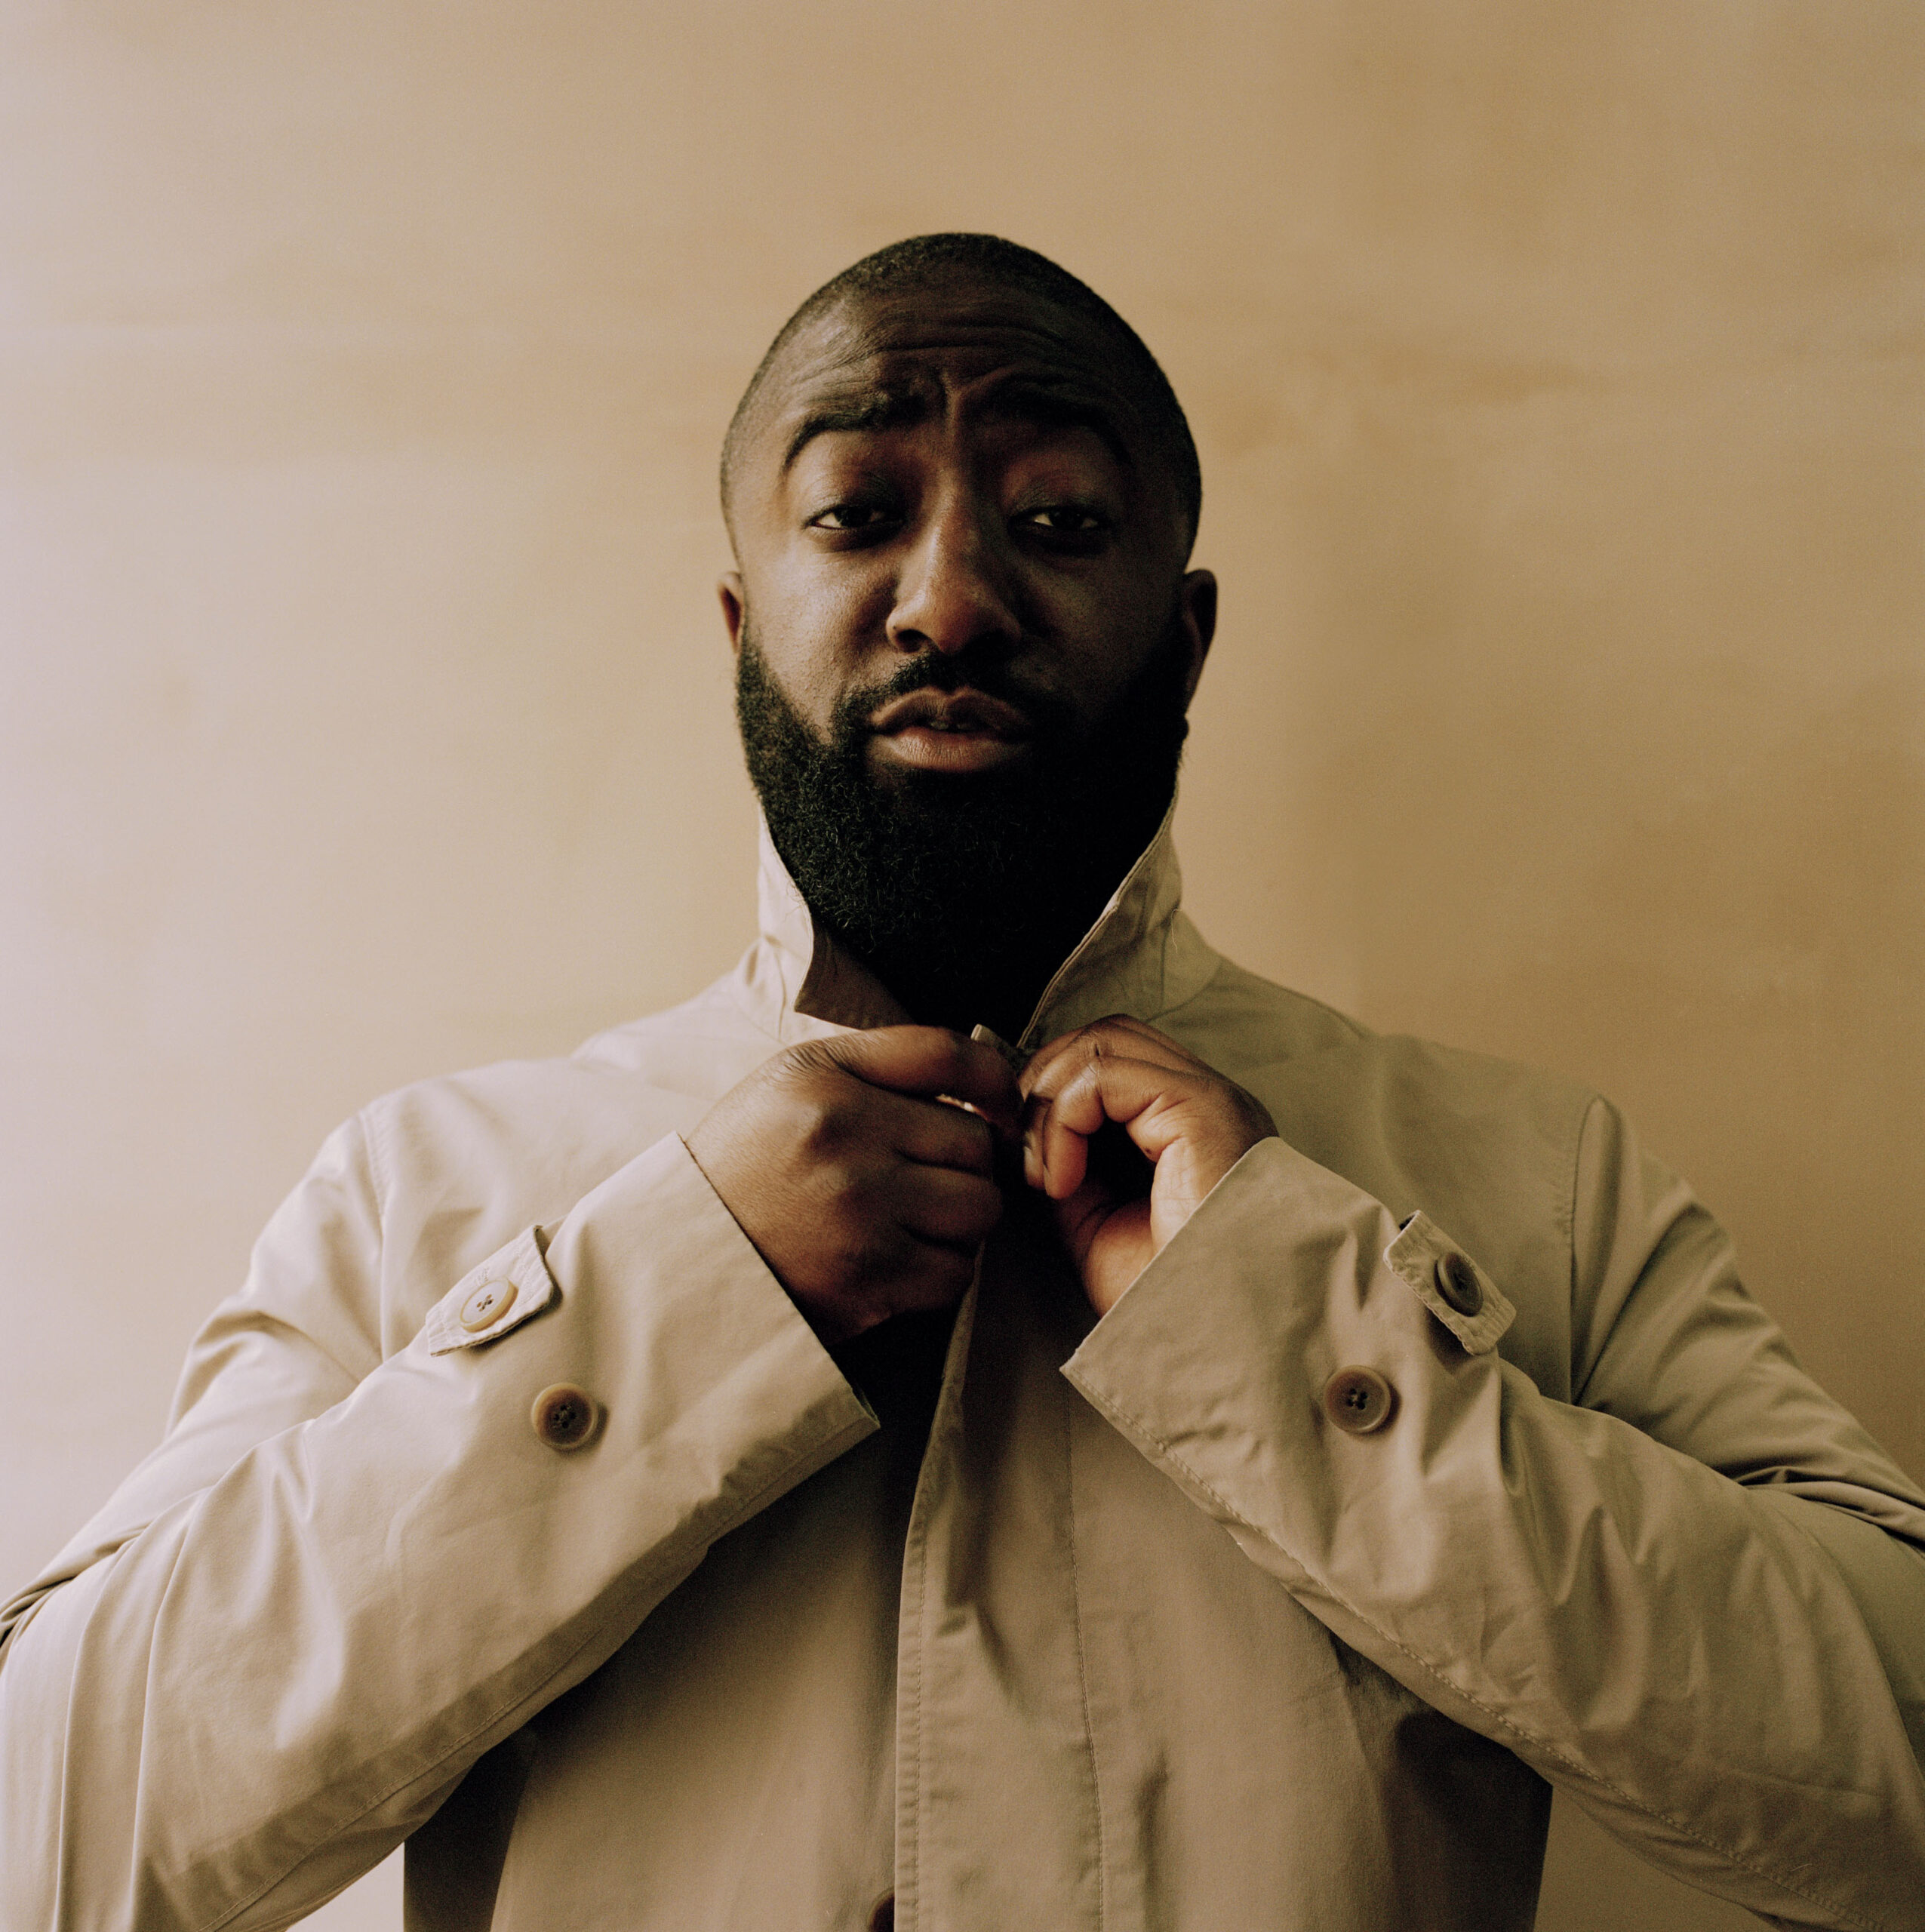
1062	520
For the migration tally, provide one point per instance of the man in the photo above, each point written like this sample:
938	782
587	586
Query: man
1177	1460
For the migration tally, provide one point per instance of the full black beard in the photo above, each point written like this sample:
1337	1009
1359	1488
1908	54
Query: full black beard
965	892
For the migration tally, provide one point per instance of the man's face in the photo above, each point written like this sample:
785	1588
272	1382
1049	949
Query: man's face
965	638
952	526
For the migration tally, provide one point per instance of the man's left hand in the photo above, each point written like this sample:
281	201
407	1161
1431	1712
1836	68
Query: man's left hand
1179	1114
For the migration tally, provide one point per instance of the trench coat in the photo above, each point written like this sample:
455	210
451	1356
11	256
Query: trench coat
510	1508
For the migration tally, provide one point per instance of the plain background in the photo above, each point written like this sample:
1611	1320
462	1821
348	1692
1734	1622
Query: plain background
364	706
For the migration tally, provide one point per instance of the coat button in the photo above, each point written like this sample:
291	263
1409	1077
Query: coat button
1457	1282
1358	1400
882	1915
564	1417
491	1300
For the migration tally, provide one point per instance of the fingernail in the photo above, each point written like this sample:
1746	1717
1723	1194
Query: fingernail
989	1037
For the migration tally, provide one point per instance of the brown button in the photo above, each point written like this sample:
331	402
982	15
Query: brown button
1358	1400
490	1301
564	1417
882	1916
1457	1282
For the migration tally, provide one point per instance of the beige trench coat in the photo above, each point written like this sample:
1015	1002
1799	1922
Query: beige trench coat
1148	1640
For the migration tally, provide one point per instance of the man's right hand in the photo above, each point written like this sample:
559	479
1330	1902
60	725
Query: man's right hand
867	1195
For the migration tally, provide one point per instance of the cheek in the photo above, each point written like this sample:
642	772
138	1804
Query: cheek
815	632
1104	642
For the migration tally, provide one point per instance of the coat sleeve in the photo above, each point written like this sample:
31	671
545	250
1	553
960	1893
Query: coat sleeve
1693	1598
340	1579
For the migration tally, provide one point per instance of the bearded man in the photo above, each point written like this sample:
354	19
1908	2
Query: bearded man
1175	1460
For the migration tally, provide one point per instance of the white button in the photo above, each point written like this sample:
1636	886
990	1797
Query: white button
487	1304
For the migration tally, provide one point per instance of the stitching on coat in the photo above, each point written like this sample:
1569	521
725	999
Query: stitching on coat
1594	1105
377	1165
1497	1717
755	1019
1083	1670
1359	1032
915	1564
909	1846
1569	1213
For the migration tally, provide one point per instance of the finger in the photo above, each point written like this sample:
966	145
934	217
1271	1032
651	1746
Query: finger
1052	1159
1133	1039
955	1210
928	1061
935	1135
1142	1096
1128	1022
932	1273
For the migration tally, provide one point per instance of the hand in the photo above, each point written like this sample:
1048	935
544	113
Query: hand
865	1194
1185	1117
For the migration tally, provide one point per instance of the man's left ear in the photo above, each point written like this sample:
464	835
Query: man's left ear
1199	601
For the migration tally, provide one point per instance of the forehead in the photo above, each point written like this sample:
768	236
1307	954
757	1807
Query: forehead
880	361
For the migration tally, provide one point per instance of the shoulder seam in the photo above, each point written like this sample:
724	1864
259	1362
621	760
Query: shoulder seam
1355	1028
377	1166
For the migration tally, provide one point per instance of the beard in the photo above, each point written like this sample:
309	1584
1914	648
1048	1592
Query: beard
963	892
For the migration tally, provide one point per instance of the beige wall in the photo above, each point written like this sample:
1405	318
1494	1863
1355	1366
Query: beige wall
1556	371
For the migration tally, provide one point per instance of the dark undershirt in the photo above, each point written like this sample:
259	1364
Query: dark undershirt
897	1368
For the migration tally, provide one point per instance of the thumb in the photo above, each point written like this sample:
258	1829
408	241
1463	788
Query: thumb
929	1062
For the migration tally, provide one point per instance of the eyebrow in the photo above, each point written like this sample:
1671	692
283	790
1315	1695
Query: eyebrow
872	410
1027	400
1021	400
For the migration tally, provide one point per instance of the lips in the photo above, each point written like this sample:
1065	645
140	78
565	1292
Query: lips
957	732
965	712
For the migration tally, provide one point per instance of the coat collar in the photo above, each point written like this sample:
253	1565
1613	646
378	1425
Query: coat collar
1142	957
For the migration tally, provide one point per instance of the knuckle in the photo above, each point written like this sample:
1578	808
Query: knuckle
823	1132
814	1057
858	1258
946	1272
984	1219
965	1199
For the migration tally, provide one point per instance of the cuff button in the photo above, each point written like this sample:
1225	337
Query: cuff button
565	1416
1457	1282
1358	1400
488	1303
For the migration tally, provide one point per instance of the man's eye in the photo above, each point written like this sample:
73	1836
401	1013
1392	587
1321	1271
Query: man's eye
1063	520
851	516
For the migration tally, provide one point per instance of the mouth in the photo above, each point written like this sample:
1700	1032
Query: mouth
963	730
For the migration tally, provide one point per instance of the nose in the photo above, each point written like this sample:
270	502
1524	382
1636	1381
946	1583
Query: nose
954	592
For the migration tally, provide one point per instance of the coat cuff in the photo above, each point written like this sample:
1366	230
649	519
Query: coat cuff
1220	1361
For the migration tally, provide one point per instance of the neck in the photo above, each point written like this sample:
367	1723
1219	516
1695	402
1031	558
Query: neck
995	973
946	993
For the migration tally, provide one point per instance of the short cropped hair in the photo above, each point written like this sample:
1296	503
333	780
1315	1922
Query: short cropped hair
925	260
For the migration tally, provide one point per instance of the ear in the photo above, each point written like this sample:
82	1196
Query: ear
1198	603
734	602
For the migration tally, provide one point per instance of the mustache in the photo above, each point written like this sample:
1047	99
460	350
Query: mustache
1048	715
